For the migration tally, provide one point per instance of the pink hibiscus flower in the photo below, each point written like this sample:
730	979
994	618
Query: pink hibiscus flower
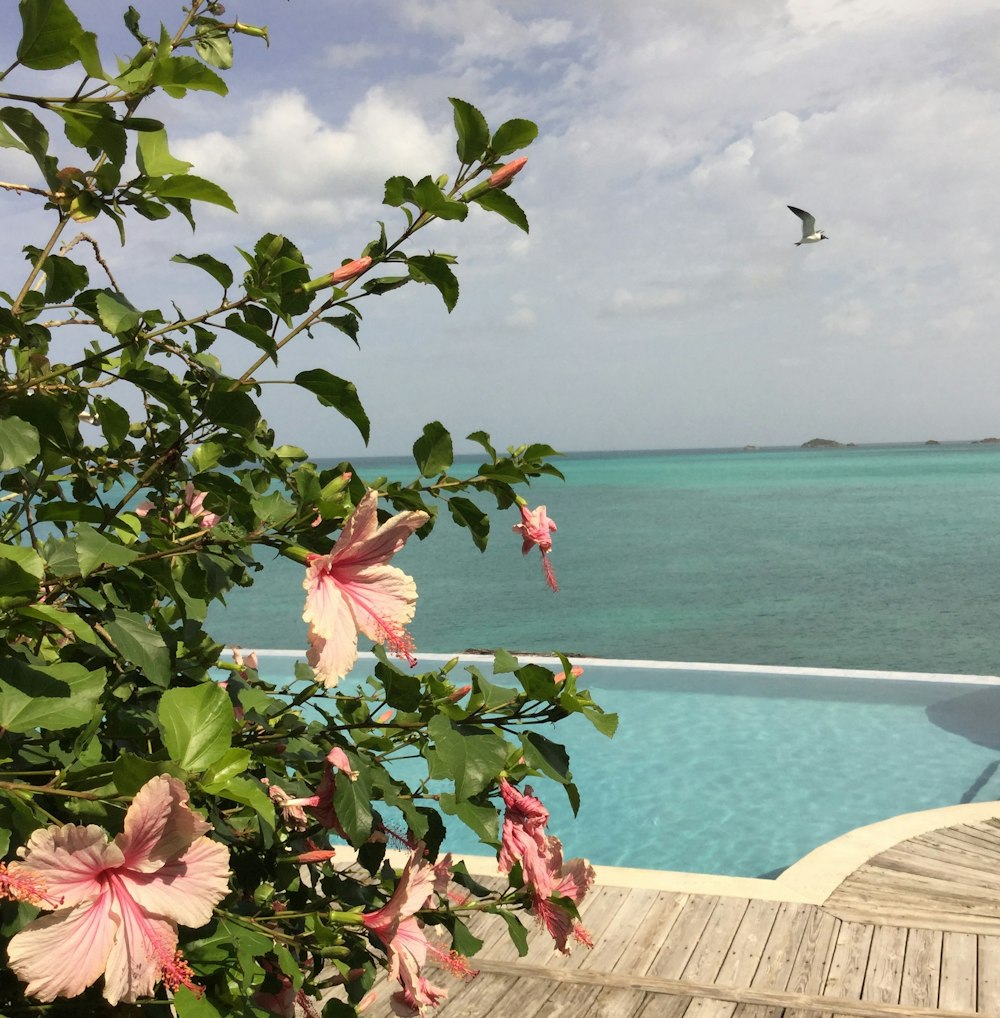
535	528
523	839
406	945
121	900
354	590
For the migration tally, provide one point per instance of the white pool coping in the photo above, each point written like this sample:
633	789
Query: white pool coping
687	666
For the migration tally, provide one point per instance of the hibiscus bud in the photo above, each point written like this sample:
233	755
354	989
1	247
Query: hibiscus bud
315	855
459	693
505	173
385	717
350	269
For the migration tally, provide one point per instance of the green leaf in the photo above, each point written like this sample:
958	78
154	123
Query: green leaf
483	439
606	724
131	772
94	128
113	419
7	140
473	131
504	662
94	550
177	74
512	135
504	205
63	278
21	570
402	691
432	452
435	271
347	324
469	756
546	756
194	1005
273	509
398	191
18	443
432	199
215	48
142	646
337	393
219	271
256	335
190	187
467	514
228	766
249	792
154	158
197	725
79	627
115	313
480	819
30	132
207	455
518	934
352	802
48	31
52	697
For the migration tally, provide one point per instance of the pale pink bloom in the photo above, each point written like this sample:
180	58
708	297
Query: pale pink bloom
505	173
524	840
122	899
244	661
575	672
523	837
339	759
195	501
354	590
292	812
397	926
144	507
535	528
571	881
350	270
24	886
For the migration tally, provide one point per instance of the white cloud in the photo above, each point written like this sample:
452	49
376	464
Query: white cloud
291	165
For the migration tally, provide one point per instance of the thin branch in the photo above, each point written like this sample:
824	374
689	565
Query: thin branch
66	248
8	186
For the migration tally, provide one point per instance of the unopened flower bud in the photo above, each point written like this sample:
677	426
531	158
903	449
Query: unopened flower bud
459	693
505	173
350	270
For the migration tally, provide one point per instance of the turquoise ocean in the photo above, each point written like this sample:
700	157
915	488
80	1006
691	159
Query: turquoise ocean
872	557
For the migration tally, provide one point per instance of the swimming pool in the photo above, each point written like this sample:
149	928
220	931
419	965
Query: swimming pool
742	771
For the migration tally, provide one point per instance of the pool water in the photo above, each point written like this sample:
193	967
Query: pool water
743	773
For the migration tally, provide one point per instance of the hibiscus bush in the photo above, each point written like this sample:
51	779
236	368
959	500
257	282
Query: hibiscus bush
178	833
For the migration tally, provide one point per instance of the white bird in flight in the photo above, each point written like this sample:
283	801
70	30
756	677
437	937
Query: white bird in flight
810	235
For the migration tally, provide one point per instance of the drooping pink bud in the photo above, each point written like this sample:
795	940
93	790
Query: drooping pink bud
350	270
340	760
315	855
459	693
575	672
505	173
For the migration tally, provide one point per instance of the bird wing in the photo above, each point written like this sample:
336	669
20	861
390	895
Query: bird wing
808	221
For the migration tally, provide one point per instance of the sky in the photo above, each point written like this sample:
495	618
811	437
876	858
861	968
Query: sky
659	300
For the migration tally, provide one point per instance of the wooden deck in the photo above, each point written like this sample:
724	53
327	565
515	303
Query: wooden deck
913	932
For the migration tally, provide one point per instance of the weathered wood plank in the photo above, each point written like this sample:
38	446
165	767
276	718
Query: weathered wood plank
921	968
814	957
988	997
959	961
884	974
782	945
713	946
617	936
846	975
662	1006
742	960
687	930
657	925
766	998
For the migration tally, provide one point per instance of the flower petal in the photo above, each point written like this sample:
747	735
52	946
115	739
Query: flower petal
159	824
143	946
382	599
61	954
331	659
184	889
363	543
69	860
